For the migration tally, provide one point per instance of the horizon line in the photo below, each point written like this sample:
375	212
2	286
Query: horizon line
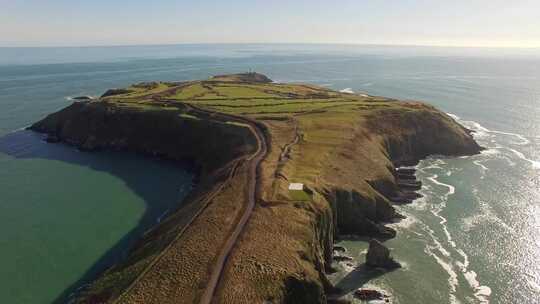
282	43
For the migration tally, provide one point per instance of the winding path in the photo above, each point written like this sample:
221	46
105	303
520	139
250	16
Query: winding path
251	195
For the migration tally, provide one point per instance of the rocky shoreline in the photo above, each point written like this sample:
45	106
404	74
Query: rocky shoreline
353	193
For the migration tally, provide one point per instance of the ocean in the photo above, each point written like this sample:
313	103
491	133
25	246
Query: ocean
473	238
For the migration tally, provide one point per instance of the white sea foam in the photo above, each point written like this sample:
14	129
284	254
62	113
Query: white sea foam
535	164
454	116
481	292
421	203
492	151
523	139
483	132
435	164
406	223
451	189
465	264
432	166
531	282
453	277
445	265
438	209
452	259
70	98
19	129
479	164
347	90
484	215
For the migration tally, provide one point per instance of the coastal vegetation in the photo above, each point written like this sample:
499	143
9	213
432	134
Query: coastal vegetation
344	147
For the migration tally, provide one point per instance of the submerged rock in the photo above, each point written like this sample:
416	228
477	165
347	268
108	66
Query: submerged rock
379	256
383	232
340	258
406	171
339	248
369	294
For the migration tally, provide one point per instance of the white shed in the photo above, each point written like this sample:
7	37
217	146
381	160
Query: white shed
296	186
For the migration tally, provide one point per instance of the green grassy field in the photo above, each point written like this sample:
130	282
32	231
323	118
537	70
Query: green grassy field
332	142
229	96
322	114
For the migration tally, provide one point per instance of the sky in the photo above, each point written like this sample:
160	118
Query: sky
482	23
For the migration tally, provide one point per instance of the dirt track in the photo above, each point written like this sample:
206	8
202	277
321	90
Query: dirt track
251	194
221	253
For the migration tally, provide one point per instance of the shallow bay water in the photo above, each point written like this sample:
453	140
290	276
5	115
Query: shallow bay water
473	238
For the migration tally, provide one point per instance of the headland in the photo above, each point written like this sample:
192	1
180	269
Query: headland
243	236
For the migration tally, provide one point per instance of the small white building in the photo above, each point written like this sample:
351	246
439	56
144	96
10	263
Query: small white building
296	186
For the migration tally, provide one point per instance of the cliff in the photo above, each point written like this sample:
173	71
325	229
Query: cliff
342	147
350	164
169	133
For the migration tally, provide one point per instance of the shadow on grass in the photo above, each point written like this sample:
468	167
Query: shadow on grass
161	192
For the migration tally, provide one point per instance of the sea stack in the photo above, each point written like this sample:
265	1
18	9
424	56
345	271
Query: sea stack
379	256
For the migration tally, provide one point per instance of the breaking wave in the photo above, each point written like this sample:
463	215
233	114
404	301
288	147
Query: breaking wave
496	141
447	254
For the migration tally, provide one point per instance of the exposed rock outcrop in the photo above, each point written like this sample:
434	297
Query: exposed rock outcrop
209	143
359	214
379	256
412	136
339	248
341	258
352	187
369	294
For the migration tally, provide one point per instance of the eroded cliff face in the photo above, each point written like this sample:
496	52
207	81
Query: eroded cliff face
212	144
396	138
170	133
413	135
286	250
288	247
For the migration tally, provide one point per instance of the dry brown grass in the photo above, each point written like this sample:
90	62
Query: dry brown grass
342	149
180	274
344	144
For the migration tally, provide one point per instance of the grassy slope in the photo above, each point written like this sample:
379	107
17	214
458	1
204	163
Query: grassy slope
342	146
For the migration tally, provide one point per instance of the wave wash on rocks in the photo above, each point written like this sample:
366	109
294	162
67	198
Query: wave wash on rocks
343	147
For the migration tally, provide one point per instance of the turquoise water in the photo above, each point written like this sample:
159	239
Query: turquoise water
65	215
473	238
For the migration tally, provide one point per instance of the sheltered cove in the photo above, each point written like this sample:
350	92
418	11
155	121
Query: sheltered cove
242	228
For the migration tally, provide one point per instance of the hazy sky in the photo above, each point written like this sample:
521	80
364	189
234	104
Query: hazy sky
118	22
